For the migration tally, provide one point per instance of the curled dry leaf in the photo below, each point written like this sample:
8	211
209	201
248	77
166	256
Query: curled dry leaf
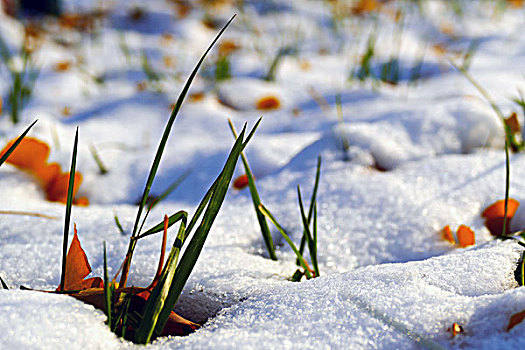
268	103
77	268
91	290
31	156
494	216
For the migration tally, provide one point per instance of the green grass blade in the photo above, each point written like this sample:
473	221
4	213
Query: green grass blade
309	237
267	213
312	201
108	297
265	230
15	145
4	285
68	210
252	132
158	296
101	167
315	228
160	151
119	226
180	215
195	245
507	186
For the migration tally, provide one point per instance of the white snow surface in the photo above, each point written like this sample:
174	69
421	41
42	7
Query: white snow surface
388	280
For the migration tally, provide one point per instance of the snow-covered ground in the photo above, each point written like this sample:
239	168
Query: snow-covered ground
388	279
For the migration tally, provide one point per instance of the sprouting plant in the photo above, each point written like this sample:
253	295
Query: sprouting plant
22	75
265	230
309	234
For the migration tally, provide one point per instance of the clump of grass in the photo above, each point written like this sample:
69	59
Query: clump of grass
309	235
147	322
22	74
265	230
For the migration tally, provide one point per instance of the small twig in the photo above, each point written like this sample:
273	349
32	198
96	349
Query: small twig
27	213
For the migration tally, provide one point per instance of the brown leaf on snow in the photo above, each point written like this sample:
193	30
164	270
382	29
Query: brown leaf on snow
515	319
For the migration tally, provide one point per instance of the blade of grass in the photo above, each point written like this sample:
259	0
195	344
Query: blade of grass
312	201
159	294
266	213
68	210
160	151
119	226
101	167
108	296
265	230
4	286
180	215
309	237
195	245
507	185
15	145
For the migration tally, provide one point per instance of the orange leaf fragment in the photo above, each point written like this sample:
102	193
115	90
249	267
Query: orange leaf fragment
365	6
494	216
268	103
31	156
465	236
77	268
446	233
513	123
516	319
240	182
455	329
62	66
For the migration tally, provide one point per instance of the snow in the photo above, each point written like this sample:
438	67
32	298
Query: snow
387	280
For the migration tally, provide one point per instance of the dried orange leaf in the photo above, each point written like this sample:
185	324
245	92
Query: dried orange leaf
495	213
62	66
77	267
516	319
267	103
513	123
465	236
31	155
241	182
446	233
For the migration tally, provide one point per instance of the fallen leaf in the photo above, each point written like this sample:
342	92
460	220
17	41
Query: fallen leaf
62	66
31	156
240	182
465	236
91	290
365	6
77	268
513	123
268	103
515	319
494	216
446	233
